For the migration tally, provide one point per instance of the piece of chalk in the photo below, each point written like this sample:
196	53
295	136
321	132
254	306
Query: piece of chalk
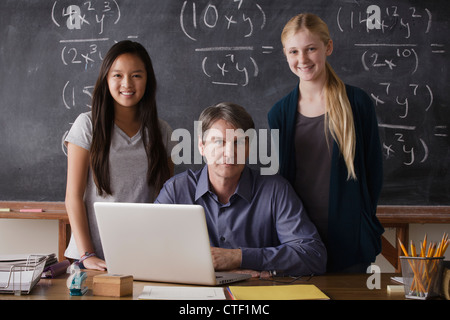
31	210
5	209
395	289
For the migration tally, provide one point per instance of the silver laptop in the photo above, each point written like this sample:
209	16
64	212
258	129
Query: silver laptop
159	242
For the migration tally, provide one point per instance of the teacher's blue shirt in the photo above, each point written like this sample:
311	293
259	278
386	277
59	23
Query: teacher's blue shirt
264	218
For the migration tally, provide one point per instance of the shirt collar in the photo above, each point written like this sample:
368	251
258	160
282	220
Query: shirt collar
244	188
245	185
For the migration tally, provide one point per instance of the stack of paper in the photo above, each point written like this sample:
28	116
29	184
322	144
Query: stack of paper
23	259
20	272
182	293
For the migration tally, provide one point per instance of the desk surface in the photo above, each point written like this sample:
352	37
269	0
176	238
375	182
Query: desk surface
337	287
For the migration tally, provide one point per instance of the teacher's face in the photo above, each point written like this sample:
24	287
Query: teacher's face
225	149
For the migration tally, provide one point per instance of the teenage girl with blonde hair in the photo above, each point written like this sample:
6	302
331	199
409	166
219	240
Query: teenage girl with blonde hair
329	148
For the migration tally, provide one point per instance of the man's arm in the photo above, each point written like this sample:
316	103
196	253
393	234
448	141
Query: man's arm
226	259
301	251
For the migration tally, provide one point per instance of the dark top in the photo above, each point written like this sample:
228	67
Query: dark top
312	164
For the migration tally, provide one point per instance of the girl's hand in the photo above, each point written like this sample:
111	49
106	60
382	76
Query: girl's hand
94	263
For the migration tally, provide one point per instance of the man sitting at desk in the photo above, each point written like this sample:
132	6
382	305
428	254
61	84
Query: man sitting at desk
255	222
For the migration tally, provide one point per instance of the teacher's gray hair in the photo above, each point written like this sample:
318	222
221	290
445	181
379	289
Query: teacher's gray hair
233	113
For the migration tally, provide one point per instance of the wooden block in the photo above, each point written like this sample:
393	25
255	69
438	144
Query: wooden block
113	285
396	289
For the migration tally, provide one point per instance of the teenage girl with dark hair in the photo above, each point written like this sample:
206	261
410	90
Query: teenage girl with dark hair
120	151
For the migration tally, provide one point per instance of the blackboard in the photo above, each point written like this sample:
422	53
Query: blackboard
205	52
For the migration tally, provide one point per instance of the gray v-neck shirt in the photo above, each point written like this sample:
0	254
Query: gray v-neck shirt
313	163
128	172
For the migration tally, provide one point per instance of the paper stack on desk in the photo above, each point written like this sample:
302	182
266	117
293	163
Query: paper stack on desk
19	273
182	293
9	259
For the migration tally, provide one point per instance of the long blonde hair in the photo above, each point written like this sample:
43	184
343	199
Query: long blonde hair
338	111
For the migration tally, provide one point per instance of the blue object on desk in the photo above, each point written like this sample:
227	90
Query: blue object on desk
76	285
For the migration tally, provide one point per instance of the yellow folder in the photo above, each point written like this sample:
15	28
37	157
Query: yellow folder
287	292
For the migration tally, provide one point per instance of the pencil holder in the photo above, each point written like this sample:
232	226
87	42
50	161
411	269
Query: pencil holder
422	276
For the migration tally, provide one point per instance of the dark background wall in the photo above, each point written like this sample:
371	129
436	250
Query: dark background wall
205	52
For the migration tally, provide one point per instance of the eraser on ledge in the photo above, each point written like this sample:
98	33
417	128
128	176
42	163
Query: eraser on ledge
31	210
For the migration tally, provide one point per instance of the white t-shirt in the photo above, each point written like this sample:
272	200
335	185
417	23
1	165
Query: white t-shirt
128	172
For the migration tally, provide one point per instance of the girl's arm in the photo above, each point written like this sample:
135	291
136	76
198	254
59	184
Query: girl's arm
77	175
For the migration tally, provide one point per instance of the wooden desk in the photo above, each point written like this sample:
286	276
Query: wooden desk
335	286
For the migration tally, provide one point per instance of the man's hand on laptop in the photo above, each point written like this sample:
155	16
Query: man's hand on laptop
226	259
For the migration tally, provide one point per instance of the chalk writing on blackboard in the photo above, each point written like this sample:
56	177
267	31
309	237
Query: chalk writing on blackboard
228	64
80	53
389	62
415	90
91	13
398	55
372	19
